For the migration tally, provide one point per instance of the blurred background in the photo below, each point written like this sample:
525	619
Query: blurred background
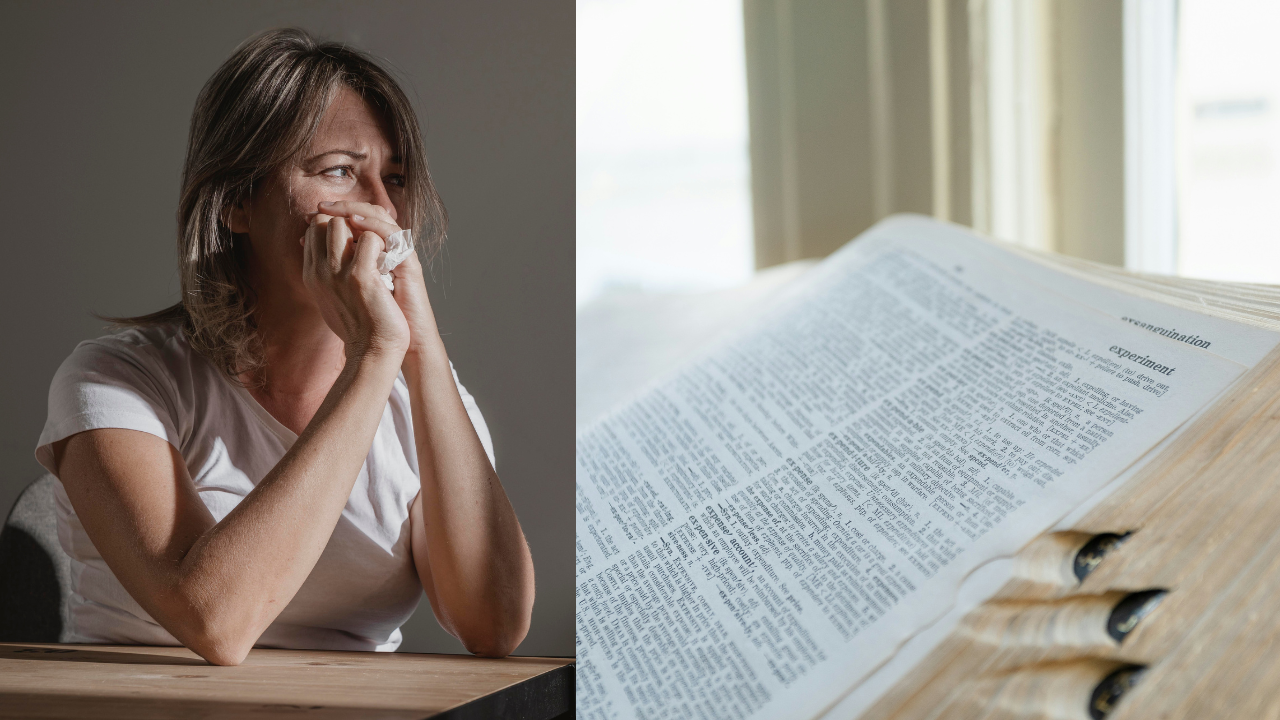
1228	140
664	197
97	99
720	137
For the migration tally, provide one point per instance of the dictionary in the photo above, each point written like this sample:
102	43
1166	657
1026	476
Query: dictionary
939	476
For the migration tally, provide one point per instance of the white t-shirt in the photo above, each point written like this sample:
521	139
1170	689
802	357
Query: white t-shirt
150	379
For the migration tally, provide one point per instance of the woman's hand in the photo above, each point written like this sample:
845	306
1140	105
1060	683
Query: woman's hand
468	547
342	275
411	289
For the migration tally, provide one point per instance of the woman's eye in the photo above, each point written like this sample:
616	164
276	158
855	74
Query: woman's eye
396	180
341	171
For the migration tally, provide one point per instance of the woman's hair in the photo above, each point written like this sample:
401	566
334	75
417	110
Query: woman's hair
258	111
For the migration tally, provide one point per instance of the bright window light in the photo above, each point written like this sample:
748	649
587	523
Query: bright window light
663	195
1229	140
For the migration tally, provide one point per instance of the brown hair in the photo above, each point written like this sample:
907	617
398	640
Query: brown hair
258	111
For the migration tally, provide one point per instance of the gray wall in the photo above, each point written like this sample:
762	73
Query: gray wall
96	101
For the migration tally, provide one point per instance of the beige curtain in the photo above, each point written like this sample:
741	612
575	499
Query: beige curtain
1005	115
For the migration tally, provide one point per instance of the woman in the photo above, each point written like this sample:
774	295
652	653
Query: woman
286	458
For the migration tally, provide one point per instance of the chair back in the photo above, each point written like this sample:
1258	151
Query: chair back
35	574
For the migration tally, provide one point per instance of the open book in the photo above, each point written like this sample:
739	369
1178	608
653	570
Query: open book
942	477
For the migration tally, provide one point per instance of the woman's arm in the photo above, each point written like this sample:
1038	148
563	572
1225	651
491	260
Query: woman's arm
468	547
216	587
467	544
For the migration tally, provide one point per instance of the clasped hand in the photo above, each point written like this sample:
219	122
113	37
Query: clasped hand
342	248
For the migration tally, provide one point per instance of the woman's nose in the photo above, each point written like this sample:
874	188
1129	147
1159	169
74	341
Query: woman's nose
375	193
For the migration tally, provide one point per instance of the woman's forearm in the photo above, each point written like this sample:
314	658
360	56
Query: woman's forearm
242	572
468	546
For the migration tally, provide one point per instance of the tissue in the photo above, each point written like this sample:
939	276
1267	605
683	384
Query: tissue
399	247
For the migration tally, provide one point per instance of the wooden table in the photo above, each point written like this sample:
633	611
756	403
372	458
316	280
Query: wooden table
131	681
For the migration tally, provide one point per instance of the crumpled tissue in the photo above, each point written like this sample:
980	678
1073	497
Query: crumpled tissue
399	248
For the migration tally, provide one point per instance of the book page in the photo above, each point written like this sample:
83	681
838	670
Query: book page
762	530
1243	343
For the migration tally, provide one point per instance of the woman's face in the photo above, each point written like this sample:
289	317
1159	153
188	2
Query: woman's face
350	158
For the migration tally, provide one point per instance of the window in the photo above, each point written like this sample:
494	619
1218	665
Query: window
1228	138
663	199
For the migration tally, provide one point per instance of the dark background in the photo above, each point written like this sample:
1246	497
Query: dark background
96	98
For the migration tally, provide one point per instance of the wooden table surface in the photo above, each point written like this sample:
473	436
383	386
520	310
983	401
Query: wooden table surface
131	681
